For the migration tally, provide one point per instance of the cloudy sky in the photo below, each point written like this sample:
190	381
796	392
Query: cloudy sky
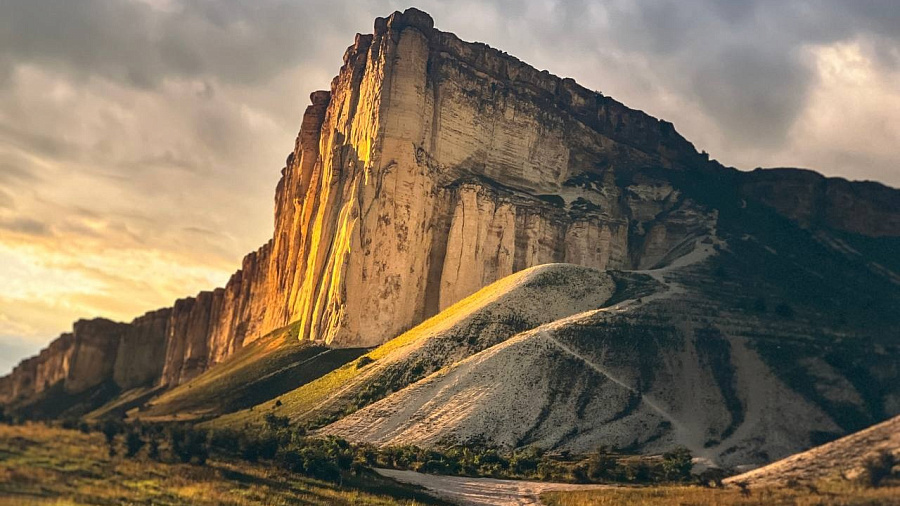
141	140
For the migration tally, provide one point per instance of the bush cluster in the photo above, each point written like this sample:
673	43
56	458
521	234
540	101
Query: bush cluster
328	458
533	463
173	443
877	467
290	449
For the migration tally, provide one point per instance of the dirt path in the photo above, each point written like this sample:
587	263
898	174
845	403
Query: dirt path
482	491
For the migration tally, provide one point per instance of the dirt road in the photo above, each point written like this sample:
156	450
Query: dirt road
482	491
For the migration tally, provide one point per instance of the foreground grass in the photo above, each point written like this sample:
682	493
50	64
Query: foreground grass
831	493
44	465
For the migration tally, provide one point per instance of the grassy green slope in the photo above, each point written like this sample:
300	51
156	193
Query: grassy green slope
263	370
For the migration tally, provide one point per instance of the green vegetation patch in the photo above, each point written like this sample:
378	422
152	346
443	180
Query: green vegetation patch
263	370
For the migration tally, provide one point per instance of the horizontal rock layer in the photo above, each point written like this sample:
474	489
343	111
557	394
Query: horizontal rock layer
431	168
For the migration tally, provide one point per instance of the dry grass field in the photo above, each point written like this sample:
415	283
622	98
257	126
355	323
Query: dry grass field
41	465
839	493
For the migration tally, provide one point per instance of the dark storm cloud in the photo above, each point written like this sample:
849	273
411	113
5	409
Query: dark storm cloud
743	62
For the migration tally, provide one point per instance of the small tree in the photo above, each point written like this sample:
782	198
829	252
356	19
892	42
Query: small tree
759	305
525	462
877	467
677	464
133	443
784	311
153	448
580	473
189	445
197	447
275	422
110	430
601	465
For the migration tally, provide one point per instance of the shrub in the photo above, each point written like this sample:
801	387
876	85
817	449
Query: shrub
580	474
525	462
366	455
275	422
291	460
677	464
189	445
268	446
712	477
153	449
601	465
110	430
225	440
759	305
249	448
133	443
317	465
364	361
877	467
784	311
638	473
547	470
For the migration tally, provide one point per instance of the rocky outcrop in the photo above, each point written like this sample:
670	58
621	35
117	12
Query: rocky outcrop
141	352
864	208
96	352
433	167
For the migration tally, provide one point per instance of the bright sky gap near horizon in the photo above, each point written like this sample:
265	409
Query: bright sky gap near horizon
141	140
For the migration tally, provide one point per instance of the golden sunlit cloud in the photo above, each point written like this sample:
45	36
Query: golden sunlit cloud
850	113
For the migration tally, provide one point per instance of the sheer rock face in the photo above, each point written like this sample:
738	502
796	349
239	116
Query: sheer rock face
440	166
431	168
93	354
141	350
